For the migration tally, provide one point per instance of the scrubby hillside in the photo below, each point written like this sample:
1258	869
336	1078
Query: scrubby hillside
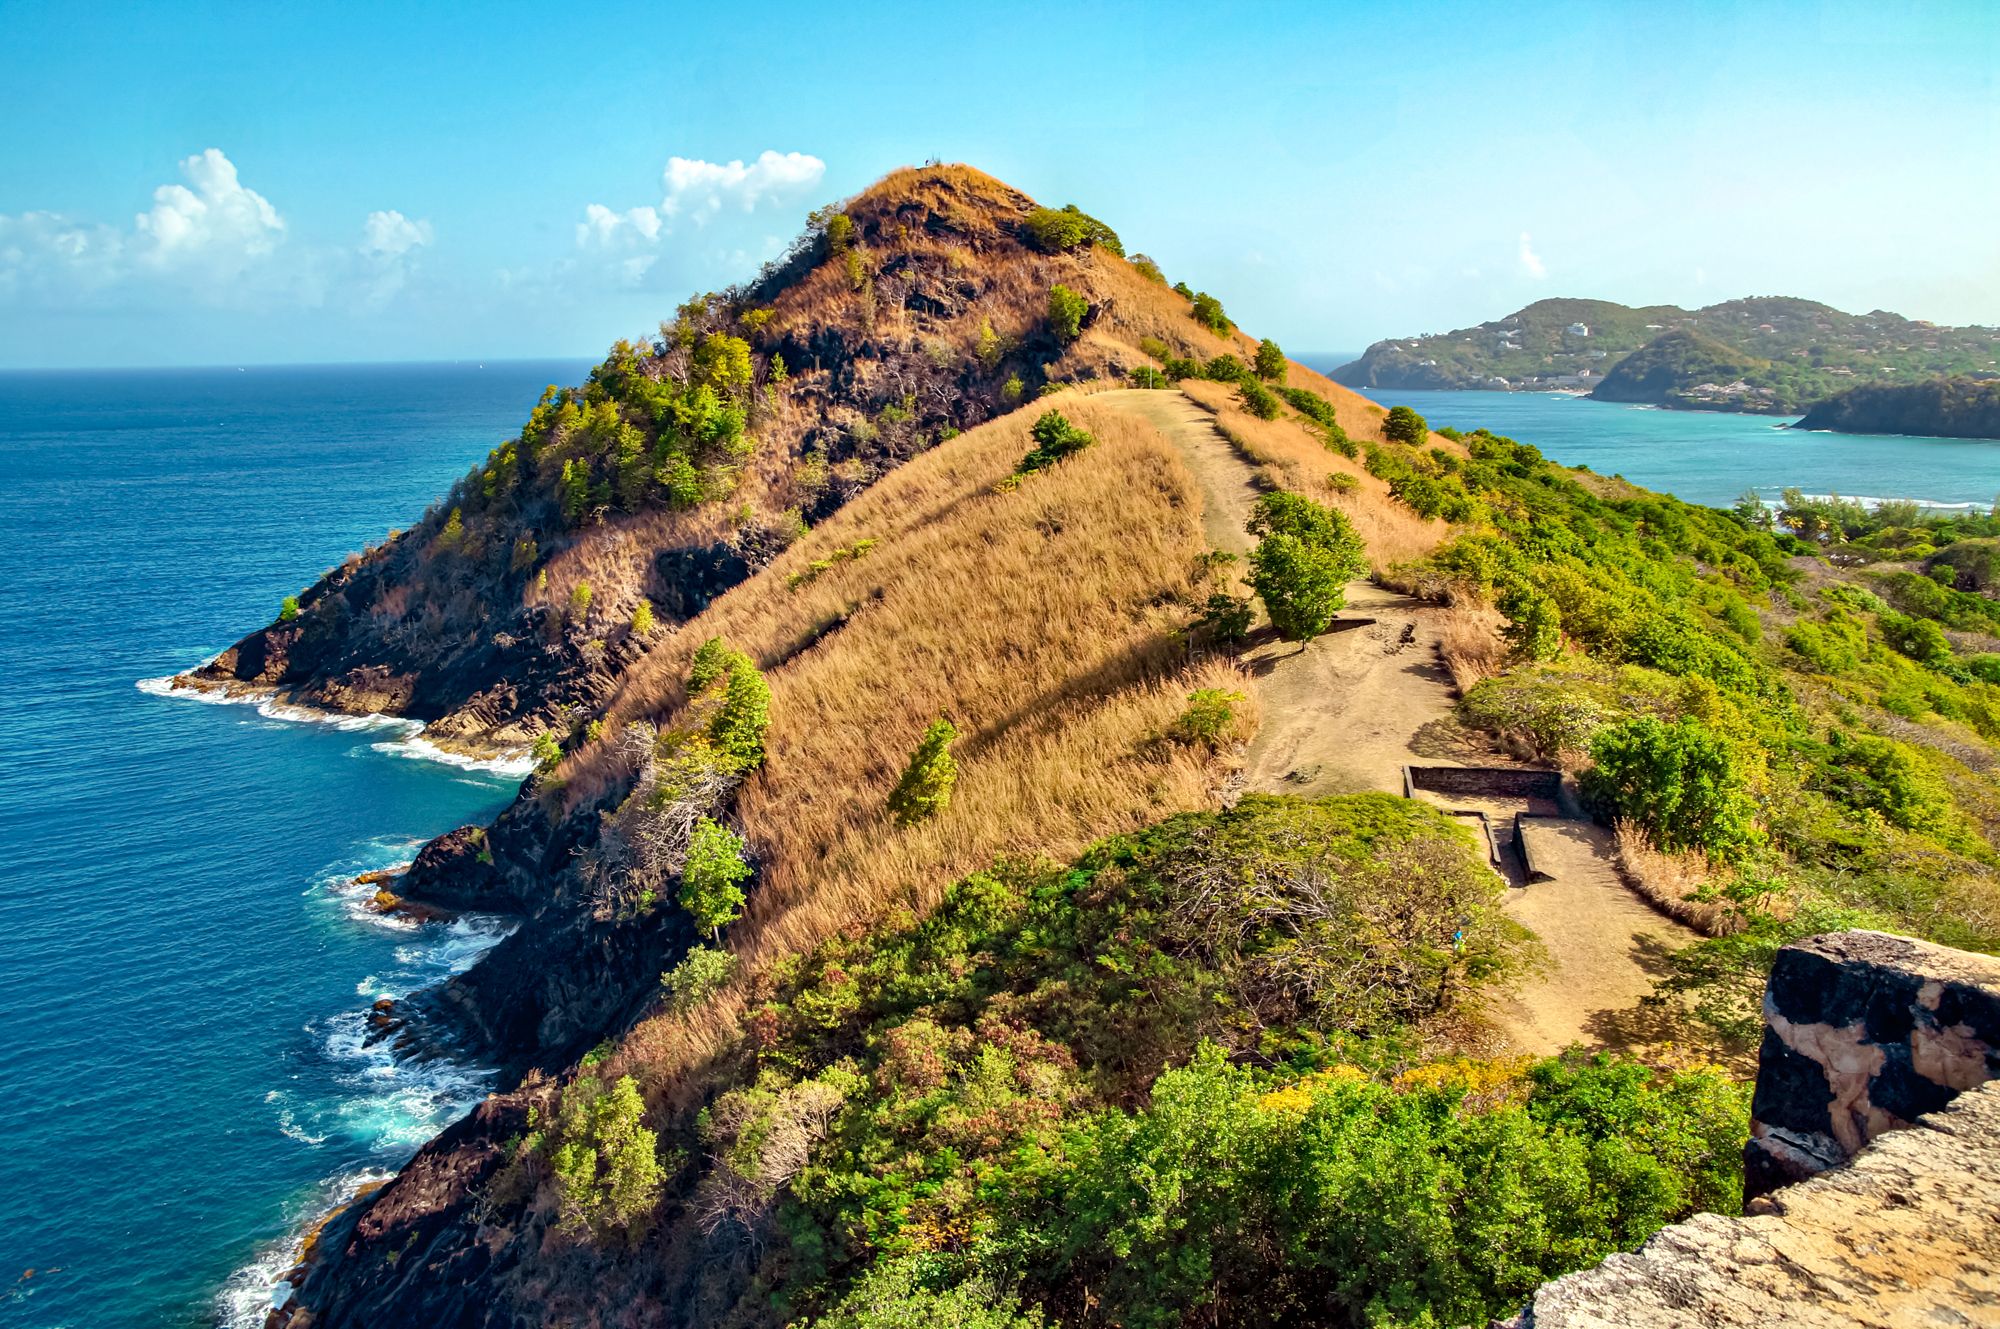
935	300
1940	408
1785	353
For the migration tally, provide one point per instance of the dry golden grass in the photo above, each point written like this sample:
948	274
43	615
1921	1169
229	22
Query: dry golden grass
1669	880
1043	621
1289	455
1470	643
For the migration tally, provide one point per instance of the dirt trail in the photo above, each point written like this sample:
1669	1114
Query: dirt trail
1347	711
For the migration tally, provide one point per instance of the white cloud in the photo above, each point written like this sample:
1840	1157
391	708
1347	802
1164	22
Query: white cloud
1531	262
211	239
392	235
704	188
218	219
625	248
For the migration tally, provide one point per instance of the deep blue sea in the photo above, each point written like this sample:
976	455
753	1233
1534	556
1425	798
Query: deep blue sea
183	972
182	976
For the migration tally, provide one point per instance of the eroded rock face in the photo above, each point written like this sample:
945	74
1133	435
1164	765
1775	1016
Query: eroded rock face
1865	1032
1906	1235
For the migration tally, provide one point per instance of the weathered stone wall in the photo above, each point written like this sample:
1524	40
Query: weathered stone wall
1489	781
1864	1033
1872	1179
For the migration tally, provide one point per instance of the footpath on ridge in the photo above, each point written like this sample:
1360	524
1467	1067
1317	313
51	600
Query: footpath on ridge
1346	713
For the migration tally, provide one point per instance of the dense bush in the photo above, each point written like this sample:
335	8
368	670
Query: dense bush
1259	400
1684	784
1066	312
1208	313
1303	562
713	875
1404	425
604	1159
1055	438
1053	230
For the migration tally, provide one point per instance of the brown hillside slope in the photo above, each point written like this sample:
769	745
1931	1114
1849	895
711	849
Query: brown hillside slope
1047	621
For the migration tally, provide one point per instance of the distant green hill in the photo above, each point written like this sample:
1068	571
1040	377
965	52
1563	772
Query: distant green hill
1771	354
1942	407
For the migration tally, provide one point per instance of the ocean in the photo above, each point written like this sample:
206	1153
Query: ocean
184	971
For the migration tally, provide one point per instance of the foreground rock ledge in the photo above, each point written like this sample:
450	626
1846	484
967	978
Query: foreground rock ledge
1908	1234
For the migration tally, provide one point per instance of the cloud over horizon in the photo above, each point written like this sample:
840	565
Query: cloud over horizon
625	247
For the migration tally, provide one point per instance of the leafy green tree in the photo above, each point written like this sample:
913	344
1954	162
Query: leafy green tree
453	534
547	750
1405	426
712	879
710	662
990	347
839	232
1208	313
1066	312
908	1294
288	609
1301	566
579	602
925	787
1680	781
1270	361
642	619
1209	718
605	1159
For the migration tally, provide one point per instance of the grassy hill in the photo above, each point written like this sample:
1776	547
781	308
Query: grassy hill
899	945
1792	353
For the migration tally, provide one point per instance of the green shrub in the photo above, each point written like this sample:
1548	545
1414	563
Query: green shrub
839	233
1053	230
713	876
1258	399
1011	391
1271	361
1066	313
1303	562
605	1160
642	619
737	729
1404	425
547	751
925	787
1209	719
1208	312
1149	269
1918	638
699	975
1534	629
579	602
1145	376
909	1294
1864	771
1224	368
1225	619
1679	781
288	609
1055	438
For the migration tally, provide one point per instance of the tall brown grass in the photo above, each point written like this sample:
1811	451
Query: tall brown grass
1670	881
1470	642
1046	622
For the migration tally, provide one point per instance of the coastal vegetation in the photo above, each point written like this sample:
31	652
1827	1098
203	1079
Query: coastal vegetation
1944	407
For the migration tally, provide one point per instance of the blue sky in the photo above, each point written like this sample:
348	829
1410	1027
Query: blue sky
215	183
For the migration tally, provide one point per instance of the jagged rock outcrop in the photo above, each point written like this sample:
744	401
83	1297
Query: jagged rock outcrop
1864	1033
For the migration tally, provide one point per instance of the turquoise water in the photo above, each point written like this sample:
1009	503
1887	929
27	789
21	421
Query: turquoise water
182	976
1711	457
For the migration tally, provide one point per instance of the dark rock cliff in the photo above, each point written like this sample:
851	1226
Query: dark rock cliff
1938	408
